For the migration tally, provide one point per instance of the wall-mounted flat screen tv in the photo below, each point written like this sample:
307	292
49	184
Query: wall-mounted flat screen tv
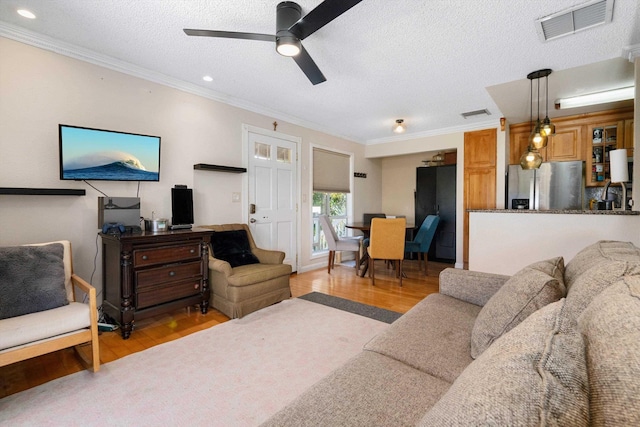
104	155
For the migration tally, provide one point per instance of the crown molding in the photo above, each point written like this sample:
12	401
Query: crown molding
631	52
32	38
437	132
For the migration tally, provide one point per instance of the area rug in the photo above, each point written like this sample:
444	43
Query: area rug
370	311
237	373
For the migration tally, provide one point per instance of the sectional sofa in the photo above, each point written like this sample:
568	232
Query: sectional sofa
547	346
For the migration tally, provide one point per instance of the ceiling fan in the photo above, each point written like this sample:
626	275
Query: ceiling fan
291	28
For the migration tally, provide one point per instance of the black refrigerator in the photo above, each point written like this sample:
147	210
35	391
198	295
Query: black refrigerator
436	195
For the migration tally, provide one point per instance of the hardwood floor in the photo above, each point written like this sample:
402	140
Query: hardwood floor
342	282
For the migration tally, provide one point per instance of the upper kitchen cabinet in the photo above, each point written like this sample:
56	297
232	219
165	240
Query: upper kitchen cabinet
603	138
567	143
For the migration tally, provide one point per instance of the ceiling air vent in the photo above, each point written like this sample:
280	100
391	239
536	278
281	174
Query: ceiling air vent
578	18
475	113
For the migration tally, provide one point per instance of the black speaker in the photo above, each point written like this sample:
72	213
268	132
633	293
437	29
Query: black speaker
181	206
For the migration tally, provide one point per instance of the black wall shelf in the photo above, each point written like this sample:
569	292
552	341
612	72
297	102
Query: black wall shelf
43	191
218	168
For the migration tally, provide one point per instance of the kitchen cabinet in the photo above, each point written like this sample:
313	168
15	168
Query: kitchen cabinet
436	195
603	139
565	145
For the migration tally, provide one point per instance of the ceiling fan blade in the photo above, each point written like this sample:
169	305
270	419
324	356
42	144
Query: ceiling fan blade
324	13
231	35
306	64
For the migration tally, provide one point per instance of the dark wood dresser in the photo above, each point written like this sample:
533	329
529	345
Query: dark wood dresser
147	273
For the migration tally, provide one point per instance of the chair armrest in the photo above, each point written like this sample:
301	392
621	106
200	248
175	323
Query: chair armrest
91	294
220	266
268	256
474	287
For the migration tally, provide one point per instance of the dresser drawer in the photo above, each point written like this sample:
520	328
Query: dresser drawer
162	255
166	292
170	273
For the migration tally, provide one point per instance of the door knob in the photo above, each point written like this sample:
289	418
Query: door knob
252	220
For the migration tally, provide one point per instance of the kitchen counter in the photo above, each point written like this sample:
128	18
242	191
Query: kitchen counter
555	211
505	240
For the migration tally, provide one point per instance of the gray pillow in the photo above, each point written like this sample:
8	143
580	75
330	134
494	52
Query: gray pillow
31	279
528	290
511	383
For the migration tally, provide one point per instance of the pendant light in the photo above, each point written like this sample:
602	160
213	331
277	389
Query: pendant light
538	138
531	159
547	127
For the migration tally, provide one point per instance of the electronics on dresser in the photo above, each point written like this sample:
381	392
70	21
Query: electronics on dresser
123	210
105	155
113	228
181	207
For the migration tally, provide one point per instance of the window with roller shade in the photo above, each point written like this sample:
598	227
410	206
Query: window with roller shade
331	188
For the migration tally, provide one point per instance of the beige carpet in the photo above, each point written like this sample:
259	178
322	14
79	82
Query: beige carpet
234	374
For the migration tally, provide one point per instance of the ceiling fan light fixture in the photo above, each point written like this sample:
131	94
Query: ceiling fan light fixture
288	46
399	126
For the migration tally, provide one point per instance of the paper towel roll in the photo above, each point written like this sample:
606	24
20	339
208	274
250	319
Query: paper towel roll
619	168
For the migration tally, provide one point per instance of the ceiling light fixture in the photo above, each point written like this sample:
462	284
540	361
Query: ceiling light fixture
540	133
288	46
531	159
207	78
399	127
612	95
26	13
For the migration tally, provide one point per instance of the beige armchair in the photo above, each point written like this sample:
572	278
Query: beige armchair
24	336
244	278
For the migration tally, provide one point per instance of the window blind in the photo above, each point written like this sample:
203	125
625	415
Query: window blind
330	171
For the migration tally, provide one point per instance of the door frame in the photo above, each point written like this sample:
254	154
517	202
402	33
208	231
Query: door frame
246	129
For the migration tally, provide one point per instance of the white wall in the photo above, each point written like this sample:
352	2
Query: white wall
504	242
40	89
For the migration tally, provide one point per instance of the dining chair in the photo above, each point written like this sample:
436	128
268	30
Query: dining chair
367	217
422	242
336	243
386	241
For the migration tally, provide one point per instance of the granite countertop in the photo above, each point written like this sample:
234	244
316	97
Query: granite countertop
556	211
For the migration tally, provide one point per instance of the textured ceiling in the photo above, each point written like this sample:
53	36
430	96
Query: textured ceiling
424	61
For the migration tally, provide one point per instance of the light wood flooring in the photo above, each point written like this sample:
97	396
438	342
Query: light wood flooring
342	282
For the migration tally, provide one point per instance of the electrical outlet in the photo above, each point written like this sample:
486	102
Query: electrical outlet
235	197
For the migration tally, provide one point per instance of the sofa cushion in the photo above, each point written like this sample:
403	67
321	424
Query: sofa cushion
509	384
610	326
526	291
246	275
600	252
233	246
433	336
32	279
369	390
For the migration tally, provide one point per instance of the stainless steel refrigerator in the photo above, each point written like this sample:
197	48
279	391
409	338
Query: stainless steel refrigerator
556	185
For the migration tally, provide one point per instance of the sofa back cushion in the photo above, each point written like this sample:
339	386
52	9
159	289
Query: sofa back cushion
610	326
516	380
597	254
233	246
32	279
528	290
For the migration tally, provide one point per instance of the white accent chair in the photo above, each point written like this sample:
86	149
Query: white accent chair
336	243
34	334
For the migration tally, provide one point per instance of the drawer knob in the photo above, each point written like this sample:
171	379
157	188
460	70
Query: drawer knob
172	273
144	257
196	286
193	251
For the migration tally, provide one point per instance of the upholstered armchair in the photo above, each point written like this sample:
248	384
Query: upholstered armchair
39	313
244	278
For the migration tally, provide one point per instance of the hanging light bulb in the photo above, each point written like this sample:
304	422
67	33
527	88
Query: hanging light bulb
531	159
547	127
538	138
542	129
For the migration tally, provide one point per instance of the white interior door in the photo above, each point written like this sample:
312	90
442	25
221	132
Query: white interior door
272	175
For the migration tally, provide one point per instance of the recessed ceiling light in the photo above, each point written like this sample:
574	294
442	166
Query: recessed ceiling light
26	13
207	78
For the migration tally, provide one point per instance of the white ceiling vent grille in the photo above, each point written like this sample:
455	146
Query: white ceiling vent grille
578	18
475	113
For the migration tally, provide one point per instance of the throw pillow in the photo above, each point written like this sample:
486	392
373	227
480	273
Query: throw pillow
510	384
526	291
31	279
233	246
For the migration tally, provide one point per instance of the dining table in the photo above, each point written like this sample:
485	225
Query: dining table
365	228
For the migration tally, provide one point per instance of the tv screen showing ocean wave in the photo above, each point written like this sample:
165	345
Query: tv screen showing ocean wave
95	154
